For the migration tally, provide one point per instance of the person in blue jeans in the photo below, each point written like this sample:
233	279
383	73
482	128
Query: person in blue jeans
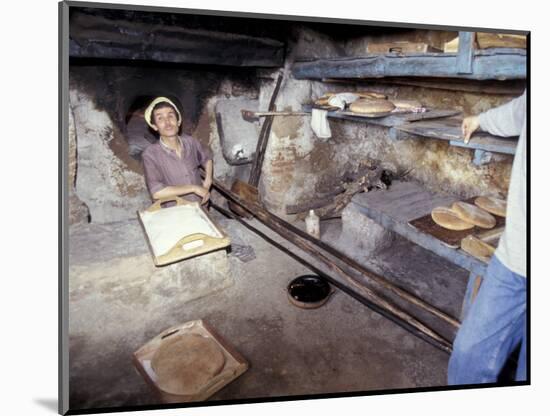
495	324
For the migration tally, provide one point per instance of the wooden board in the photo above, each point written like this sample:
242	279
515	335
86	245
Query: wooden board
189	245
234	365
450	238
390	120
430	114
325	107
403	202
450	129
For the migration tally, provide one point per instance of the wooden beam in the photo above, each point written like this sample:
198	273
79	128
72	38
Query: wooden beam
465	57
309	262
510	87
337	265
487	64
105	38
312	204
361	293
265	132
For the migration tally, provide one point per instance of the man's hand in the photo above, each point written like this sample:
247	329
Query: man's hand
205	198
203	193
469	125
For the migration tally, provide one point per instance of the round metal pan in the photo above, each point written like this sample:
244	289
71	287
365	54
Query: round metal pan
309	291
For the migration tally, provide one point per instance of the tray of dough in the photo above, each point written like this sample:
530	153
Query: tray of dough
188	363
179	232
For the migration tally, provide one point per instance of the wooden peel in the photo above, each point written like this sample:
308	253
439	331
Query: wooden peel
255	115
249	191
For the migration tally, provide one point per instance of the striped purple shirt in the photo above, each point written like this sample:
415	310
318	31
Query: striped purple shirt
164	168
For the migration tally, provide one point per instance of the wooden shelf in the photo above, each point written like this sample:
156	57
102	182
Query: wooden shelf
500	64
433	124
391	120
449	129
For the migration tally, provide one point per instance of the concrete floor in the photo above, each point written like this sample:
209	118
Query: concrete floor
340	347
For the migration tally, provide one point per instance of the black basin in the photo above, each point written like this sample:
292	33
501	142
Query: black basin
308	291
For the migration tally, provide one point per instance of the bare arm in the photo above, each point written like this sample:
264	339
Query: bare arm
209	174
170	191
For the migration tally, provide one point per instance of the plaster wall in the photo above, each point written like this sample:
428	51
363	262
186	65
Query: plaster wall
298	166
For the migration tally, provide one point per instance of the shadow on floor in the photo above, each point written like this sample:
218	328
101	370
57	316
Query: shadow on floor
49	404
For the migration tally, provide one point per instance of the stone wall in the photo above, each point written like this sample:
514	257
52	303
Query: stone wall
78	211
111	189
298	165
107	104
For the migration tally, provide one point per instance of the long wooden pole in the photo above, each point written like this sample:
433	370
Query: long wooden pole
367	274
379	280
415	326
445	346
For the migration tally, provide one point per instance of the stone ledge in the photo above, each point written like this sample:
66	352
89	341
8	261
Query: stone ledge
112	263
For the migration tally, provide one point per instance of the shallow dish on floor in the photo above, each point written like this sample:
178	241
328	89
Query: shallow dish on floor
309	291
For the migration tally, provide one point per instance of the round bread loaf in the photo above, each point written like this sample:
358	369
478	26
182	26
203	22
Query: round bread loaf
475	215
323	100
491	204
371	95
185	364
447	218
367	95
374	106
406	104
477	248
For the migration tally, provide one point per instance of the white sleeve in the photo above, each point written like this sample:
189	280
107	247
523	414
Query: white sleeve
506	120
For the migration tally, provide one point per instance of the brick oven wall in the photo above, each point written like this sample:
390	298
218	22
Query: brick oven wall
298	165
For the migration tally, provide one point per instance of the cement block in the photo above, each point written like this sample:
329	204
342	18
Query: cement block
360	236
113	262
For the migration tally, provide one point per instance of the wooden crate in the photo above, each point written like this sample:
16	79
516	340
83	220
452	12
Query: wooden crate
234	366
190	244
500	40
400	47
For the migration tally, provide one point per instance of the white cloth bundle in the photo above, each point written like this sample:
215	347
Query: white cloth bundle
342	99
319	123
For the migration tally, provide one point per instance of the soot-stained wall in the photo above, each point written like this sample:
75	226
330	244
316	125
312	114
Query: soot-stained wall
107	102
300	165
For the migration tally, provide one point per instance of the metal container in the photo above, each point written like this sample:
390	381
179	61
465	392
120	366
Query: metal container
309	291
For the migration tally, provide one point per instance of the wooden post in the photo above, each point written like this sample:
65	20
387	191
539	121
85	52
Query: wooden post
256	170
465	56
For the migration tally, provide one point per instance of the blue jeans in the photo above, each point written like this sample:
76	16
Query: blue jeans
494	326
